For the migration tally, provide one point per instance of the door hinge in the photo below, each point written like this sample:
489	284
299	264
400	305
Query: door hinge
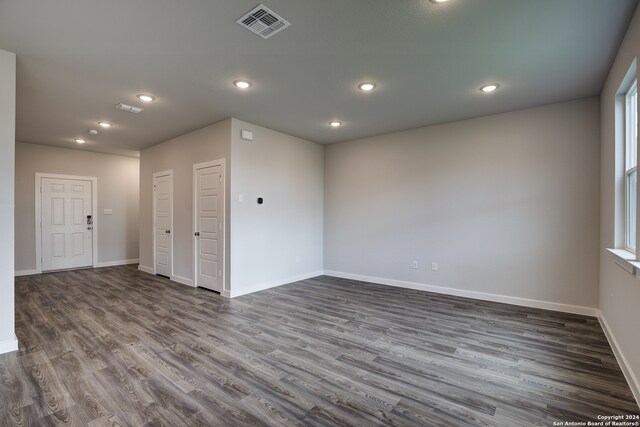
155	187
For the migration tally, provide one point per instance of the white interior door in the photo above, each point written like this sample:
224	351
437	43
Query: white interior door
67	223
163	210
209	226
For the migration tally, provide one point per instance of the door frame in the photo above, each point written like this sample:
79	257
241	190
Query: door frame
221	163
38	218
168	172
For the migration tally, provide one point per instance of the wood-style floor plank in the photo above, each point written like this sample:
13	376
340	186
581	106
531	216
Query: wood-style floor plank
119	347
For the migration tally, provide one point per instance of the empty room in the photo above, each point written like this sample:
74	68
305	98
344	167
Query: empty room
319	213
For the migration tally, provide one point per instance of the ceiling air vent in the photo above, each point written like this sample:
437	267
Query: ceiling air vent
263	22
129	108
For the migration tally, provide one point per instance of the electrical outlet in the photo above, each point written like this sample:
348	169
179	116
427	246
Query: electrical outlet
415	264
434	266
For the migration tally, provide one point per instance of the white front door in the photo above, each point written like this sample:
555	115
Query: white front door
163	207
209	226
67	223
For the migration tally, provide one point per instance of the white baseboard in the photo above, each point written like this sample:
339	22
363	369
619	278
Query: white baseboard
226	294
25	272
274	283
145	269
566	308
115	263
98	265
9	345
633	381
177	279
183	280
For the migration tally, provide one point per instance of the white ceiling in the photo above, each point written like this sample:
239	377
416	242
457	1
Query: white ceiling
78	58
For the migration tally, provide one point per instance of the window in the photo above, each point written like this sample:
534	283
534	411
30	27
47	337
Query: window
631	166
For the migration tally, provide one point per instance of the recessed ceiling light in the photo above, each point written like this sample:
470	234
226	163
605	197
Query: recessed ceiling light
438	1
93	132
489	88
80	140
145	98
335	124
242	84
105	124
367	86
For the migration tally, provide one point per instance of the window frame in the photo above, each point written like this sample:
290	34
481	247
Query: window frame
630	150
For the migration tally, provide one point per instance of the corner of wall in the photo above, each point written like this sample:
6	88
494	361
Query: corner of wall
627	369
279	240
619	292
8	346
7	198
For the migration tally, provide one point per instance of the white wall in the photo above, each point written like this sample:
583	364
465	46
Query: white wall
506	205
118	187
619	291
8	341
279	241
180	154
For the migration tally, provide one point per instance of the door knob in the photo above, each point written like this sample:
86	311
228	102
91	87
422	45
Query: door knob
197	233
167	231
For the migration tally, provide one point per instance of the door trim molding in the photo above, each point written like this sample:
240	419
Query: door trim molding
38	218
221	163
169	173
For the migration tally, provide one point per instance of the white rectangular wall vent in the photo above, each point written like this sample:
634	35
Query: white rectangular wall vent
129	108
263	22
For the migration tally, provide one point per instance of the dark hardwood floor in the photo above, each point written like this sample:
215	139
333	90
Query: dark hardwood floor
116	346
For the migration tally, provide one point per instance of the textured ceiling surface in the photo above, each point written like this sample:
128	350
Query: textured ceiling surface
78	58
